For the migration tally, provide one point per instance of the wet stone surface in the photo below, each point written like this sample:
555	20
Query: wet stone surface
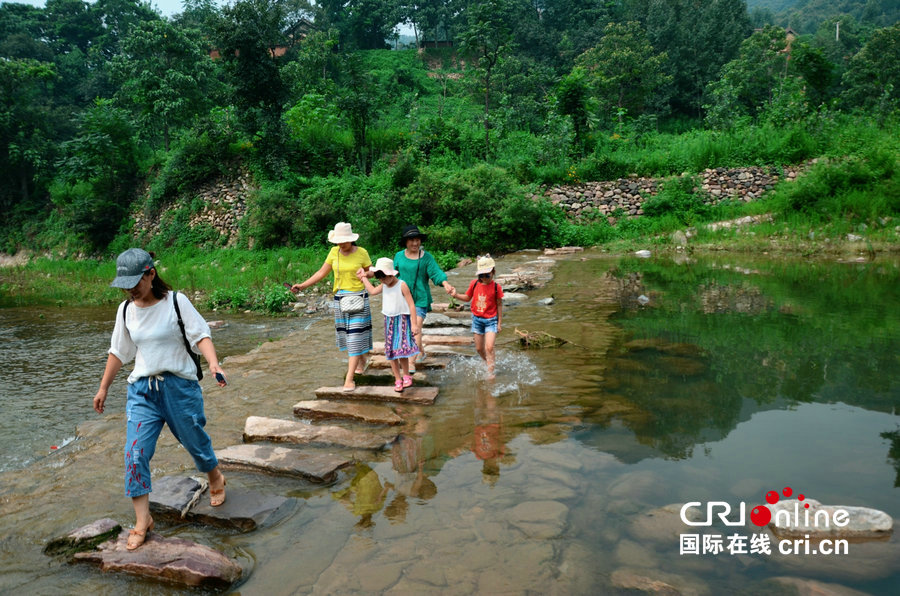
321	409
171	560
316	467
259	428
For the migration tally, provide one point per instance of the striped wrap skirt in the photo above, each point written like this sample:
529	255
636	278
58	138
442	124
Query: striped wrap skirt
353	333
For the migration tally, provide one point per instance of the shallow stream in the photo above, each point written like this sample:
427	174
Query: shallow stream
713	379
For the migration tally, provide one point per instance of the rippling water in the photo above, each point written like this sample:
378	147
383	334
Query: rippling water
720	379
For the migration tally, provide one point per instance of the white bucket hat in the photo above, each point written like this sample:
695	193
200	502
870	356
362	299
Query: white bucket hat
385	265
485	265
342	233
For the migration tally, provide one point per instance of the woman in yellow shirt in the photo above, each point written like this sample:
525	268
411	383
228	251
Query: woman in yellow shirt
353	331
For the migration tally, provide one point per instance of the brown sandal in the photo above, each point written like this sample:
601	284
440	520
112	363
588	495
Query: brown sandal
136	539
217	495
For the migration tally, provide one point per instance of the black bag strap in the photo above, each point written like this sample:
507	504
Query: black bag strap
187	344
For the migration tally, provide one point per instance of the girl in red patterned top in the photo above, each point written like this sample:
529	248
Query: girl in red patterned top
486	296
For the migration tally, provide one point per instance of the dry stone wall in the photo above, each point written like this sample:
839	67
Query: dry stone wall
224	205
595	199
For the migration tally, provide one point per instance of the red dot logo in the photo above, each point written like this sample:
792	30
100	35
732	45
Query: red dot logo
760	516
771	497
787	491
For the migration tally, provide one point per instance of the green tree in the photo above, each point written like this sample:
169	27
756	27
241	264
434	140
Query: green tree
486	40
622	69
164	76
872	80
749	82
25	138
573	100
98	174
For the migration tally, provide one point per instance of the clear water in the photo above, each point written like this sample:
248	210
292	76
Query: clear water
730	378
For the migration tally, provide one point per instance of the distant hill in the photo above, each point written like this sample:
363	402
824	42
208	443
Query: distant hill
805	16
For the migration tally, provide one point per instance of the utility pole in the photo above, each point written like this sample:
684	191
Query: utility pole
837	31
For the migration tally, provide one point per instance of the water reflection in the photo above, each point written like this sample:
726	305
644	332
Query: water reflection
487	443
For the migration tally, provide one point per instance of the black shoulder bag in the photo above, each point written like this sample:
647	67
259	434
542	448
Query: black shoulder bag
187	344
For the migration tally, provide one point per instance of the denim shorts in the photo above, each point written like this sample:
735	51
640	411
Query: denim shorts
421	311
480	325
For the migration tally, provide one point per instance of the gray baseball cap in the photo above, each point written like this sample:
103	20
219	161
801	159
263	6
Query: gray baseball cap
131	265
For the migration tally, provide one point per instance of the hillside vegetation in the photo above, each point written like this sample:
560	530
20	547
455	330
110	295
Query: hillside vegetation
107	108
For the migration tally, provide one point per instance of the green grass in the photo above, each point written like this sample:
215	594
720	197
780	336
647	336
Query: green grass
256	274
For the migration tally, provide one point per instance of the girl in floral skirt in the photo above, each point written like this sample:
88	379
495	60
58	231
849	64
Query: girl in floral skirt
399	328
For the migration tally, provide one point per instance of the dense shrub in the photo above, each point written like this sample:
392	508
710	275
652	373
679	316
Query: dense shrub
680	198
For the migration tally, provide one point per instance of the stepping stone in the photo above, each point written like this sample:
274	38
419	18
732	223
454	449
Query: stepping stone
442	331
449	351
323	409
379	362
436	319
415	395
172	560
384	376
316	467
178	498
447	340
258	428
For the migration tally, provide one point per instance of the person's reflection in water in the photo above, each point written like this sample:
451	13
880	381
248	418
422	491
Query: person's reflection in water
408	460
365	496
487	444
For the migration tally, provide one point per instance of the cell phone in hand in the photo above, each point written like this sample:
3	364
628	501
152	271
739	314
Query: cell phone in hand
288	285
220	378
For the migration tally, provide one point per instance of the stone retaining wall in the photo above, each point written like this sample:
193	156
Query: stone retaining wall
224	205
596	199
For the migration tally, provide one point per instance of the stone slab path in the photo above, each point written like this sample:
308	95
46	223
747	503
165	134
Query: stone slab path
178	498
415	395
323	409
282	461
260	428
454	330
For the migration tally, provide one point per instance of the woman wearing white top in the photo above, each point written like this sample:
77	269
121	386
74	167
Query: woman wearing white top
163	388
399	328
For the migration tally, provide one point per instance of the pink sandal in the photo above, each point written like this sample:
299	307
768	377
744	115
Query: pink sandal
398	386
407	381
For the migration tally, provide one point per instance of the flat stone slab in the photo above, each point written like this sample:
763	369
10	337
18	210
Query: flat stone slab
323	409
380	362
817	522
178	498
458	330
436	319
172	560
415	395
316	467
384	376
378	348
448	340
259	428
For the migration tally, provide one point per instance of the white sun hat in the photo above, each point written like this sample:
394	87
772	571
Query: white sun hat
385	265
342	233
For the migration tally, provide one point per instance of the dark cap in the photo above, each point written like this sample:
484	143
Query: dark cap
411	232
130	266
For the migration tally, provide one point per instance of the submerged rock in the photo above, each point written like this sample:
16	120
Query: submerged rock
798	519
811	587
